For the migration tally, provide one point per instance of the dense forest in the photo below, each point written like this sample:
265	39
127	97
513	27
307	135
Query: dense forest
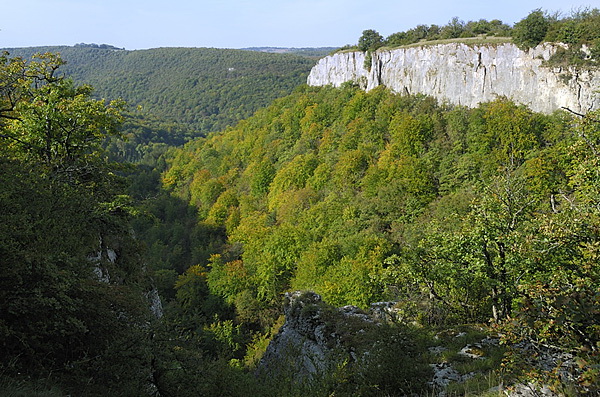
203	89
62	206
485	218
464	215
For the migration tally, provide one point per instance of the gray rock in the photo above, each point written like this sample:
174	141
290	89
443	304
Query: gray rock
467	75
385	312
443	374
472	351
302	344
437	350
530	390
156	307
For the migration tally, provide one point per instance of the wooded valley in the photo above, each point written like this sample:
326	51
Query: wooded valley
218	181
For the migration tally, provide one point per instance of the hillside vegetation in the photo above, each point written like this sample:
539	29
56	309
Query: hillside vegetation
203	89
63	208
461	215
478	223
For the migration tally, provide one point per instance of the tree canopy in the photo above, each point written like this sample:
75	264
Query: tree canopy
370	40
579	27
531	30
364	197
62	205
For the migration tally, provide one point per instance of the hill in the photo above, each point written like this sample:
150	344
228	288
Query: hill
473	224
205	89
459	215
305	51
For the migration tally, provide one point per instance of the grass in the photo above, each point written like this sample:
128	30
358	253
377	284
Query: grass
10	387
481	385
479	40
485	370
470	41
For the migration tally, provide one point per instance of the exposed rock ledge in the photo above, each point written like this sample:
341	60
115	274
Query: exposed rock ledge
313	331
467	75
317	338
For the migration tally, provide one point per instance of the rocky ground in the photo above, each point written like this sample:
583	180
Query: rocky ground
459	361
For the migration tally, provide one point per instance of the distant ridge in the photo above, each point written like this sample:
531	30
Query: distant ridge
206	89
101	46
306	51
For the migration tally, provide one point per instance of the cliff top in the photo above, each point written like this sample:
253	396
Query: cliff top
471	41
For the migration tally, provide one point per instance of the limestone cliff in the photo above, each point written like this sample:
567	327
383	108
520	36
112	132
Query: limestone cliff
467	75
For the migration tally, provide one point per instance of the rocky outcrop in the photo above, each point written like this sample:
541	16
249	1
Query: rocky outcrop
317	340
314	332
467	75
105	259
301	344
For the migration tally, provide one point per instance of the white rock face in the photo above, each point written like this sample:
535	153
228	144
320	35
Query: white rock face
467	75
156	306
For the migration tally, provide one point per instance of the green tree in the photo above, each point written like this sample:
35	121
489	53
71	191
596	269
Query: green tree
370	40
53	121
453	29
61	204
531	30
561	307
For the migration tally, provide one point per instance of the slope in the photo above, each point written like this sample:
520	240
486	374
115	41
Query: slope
205	89
459	215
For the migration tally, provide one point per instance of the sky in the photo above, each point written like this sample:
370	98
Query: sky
142	24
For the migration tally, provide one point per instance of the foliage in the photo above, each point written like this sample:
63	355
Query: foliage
580	27
370	40
48	120
460	214
378	180
198	89
531	30
62	204
455	28
561	310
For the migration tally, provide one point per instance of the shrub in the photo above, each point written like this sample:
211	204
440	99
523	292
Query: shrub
531	30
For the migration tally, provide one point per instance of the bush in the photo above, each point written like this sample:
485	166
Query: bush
531	30
370	40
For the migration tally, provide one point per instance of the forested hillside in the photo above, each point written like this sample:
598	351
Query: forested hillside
461	215
203	89
481	219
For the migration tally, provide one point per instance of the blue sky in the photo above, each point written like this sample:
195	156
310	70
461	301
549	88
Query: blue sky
139	24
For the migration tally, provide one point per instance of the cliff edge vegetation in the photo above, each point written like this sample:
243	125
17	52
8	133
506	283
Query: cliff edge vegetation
579	30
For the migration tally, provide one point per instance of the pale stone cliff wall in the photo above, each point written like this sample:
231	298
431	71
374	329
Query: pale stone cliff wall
467	75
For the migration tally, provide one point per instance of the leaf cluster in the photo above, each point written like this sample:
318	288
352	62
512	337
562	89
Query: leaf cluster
579	30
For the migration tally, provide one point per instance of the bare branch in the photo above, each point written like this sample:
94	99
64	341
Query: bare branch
17	140
580	114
